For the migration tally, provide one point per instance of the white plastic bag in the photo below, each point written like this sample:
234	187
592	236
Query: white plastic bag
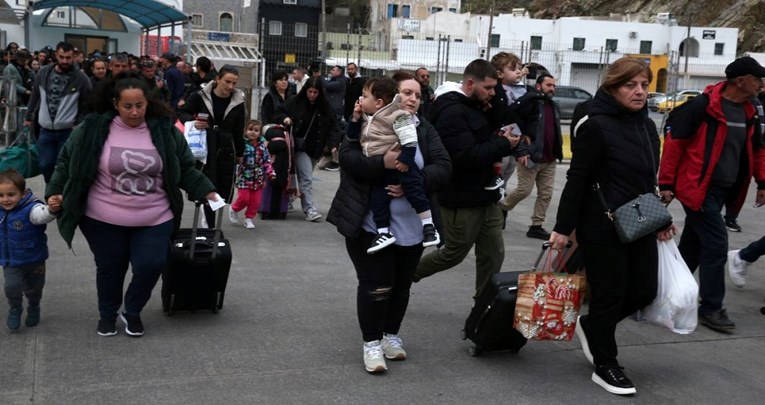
197	140
676	303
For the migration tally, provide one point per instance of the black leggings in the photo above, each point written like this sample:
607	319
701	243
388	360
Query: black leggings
623	279
384	282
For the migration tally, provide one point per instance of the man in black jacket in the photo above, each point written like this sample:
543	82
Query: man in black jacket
470	213
539	119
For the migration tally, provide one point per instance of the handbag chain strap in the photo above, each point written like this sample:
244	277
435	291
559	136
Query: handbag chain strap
599	191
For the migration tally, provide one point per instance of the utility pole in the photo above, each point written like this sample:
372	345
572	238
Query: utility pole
686	49
323	50
491	25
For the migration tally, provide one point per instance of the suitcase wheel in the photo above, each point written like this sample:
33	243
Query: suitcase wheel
475	351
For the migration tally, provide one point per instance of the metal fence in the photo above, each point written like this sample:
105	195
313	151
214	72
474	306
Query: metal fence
447	55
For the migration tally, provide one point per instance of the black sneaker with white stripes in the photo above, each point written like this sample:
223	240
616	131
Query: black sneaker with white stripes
380	242
495	183
430	236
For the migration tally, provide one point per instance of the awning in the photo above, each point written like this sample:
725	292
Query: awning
7	14
148	13
234	53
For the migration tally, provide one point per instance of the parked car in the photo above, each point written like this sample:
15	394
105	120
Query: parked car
654	98
653	103
568	97
673	102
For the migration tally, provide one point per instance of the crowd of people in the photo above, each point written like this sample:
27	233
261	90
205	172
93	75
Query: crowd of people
418	167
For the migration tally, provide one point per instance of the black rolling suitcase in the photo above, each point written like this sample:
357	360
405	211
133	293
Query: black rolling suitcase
197	271
490	324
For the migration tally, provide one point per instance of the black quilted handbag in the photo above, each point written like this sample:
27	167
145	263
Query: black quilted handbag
638	217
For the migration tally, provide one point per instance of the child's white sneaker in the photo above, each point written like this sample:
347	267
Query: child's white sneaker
248	223
233	216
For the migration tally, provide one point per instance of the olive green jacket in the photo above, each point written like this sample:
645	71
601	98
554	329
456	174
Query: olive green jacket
77	168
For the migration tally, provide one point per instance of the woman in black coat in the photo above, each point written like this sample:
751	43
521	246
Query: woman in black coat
314	128
274	101
224	122
386	277
618	148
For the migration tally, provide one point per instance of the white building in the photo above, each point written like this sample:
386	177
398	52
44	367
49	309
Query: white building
574	49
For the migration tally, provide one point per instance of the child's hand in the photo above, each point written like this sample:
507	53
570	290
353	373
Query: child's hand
356	111
54	203
402	167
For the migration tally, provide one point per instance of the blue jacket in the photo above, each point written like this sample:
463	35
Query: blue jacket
21	242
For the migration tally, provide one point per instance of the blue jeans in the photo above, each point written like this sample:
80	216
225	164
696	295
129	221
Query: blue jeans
704	245
753	252
114	247
49	145
24	280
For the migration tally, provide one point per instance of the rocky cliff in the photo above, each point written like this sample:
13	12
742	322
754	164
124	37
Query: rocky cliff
746	15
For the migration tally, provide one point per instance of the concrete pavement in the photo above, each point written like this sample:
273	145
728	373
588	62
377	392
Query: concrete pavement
288	335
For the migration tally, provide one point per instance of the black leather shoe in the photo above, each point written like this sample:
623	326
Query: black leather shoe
717	320
537	232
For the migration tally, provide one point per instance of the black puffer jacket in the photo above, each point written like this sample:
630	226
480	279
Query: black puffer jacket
472	144
530	112
351	202
614	147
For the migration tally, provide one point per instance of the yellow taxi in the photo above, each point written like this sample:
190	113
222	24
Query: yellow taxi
673	101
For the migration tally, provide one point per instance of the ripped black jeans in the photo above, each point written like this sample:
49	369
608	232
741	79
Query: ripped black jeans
384	282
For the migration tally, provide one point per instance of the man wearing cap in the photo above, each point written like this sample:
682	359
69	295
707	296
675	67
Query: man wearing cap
174	79
713	147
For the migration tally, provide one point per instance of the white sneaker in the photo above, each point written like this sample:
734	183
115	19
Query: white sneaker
312	216
737	268
248	223
374	361
393	347
233	216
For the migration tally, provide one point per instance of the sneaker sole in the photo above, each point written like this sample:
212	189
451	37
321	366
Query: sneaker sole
583	340
107	334
733	229
134	334
432	243
610	388
382	246
398	357
377	370
731	257
717	327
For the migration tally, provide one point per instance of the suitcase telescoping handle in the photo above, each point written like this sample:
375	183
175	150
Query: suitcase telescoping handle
546	245
194	229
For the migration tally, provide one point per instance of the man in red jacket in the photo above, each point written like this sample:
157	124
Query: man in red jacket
713	148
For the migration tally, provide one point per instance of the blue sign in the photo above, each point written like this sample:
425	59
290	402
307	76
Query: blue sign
219	36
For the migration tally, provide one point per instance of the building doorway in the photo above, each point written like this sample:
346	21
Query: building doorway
89	44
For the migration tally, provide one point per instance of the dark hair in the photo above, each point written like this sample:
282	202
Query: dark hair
402	75
228	69
383	88
301	100
65	46
351	63
204	64
480	70
277	75
542	76
112	90
118	57
12	176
